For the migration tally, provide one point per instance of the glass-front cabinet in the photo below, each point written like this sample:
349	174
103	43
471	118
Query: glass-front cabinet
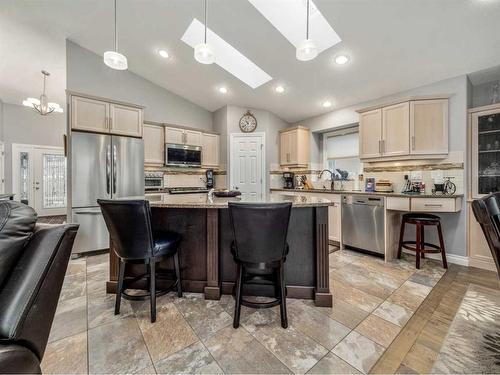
485	152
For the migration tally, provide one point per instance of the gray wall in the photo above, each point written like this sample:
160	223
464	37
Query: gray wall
23	125
86	73
454	225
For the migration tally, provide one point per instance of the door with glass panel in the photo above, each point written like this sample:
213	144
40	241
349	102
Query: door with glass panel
485	152
39	178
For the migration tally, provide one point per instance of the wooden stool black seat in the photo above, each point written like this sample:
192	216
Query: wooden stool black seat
129	226
419	246
259	250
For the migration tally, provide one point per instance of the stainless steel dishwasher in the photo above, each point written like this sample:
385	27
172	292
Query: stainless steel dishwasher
363	223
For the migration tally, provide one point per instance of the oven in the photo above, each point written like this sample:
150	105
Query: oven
182	155
153	181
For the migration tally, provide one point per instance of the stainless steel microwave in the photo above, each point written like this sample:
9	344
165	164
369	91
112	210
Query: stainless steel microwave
182	155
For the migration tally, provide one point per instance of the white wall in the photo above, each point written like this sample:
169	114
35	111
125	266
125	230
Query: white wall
23	125
86	73
454	225
481	94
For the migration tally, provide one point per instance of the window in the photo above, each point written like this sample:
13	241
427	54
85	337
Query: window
342	151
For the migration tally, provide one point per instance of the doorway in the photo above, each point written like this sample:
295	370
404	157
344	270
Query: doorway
247	164
39	178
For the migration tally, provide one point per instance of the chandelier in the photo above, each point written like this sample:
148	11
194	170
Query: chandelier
42	105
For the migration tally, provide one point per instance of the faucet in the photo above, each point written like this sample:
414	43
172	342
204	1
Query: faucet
332	177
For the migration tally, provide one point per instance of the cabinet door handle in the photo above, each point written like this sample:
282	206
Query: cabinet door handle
110	122
379	146
413	142
433	205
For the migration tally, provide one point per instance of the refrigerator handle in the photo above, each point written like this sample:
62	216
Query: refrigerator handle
108	166
114	169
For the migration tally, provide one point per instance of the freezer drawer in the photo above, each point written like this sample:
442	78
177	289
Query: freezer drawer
92	234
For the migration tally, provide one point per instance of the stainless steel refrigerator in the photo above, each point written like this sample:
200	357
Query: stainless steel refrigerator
102	167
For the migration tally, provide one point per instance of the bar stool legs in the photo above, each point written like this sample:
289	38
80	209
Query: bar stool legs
238	297
121	275
282	297
441	244
178	275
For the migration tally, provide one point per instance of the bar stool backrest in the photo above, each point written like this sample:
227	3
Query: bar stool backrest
260	231
129	226
487	213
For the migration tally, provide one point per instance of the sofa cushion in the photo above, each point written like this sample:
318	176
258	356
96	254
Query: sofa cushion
17	222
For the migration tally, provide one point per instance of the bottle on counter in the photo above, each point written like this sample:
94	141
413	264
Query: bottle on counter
422	188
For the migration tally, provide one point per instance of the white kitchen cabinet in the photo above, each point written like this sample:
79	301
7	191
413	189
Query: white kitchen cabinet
182	136
294	147
210	150
101	116
154	144
429	127
370	134
89	115
125	120
335	221
396	130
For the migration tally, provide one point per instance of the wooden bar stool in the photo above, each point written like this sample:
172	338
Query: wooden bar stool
419	246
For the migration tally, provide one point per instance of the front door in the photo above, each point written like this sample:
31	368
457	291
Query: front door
247	164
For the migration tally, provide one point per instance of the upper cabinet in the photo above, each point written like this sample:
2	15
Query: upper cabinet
100	116
154	144
294	147
182	136
210	150
414	128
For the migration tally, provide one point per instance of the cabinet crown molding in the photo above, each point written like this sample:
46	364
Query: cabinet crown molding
70	93
294	128
403	100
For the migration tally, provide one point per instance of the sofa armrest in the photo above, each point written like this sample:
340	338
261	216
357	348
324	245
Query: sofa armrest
17	359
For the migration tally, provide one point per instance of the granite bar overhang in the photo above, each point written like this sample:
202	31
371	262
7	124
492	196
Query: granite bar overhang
207	265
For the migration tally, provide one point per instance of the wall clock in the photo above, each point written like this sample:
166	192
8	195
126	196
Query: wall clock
248	122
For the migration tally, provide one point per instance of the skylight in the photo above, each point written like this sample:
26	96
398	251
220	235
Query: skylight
226	56
289	18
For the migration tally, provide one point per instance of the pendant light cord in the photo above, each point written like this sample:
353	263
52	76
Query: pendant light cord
205	40
44	78
116	39
307	21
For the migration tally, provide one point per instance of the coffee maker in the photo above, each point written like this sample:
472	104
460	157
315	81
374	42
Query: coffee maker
209	174
288	180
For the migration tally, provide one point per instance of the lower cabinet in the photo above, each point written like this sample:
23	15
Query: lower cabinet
478	250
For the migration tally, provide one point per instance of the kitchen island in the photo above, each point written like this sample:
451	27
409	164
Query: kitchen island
207	265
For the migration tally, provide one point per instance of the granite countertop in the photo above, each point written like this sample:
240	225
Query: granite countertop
326	191
201	200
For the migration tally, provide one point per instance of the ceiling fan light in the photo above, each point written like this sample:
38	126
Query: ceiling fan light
204	54
115	60
307	50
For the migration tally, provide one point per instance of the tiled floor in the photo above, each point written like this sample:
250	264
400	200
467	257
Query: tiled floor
373	301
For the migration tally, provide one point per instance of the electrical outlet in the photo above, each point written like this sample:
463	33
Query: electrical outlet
415	175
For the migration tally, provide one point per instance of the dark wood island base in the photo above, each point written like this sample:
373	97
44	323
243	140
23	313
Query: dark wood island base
206	262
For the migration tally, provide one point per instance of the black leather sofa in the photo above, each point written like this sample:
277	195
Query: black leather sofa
33	262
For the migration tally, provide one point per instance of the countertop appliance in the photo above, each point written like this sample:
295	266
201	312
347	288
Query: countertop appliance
153	181
363	223
102	166
187	190
288	180
182	155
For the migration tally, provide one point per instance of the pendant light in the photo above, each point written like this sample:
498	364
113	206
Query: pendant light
307	49
114	59
203	53
42	105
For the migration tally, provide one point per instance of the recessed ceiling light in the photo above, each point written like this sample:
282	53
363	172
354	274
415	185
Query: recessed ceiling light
163	53
327	104
223	90
279	89
228	57
341	59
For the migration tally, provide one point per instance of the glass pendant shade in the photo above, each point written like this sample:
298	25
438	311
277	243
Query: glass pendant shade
307	50
115	60
204	54
42	105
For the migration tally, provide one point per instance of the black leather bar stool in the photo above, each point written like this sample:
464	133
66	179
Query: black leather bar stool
259	250
419	246
129	226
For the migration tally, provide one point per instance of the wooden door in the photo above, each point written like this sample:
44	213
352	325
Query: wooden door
247	169
210	150
429	127
89	115
396	130
192	138
126	120
370	134
174	135
154	142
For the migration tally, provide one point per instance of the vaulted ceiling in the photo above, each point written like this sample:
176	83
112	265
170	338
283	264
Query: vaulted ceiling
394	45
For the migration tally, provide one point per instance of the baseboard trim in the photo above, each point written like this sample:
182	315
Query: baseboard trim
485	264
451	258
